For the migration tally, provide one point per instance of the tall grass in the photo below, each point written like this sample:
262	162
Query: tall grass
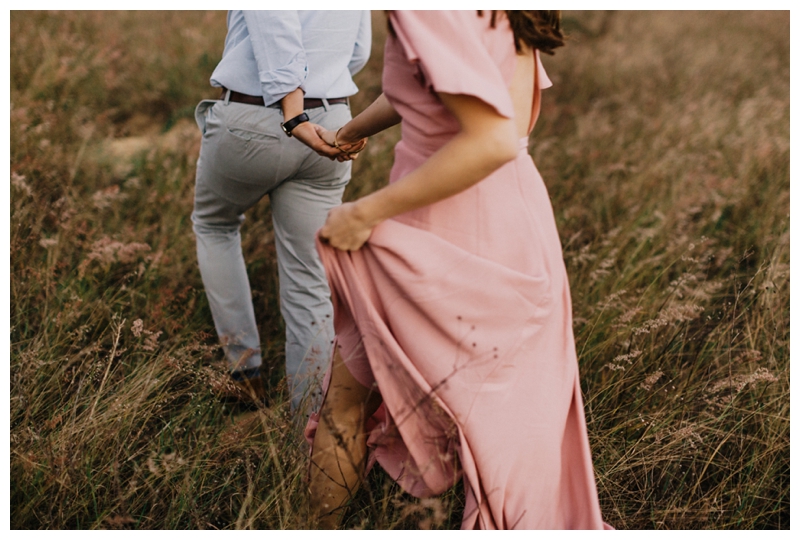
665	147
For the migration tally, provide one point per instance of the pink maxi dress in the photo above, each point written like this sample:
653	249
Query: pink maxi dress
460	311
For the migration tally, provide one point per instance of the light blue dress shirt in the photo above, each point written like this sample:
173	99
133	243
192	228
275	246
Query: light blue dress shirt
272	53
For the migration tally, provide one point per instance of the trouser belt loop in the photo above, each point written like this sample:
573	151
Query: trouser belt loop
325	104
227	96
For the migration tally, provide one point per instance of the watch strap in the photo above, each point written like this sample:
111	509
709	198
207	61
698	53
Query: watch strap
292	123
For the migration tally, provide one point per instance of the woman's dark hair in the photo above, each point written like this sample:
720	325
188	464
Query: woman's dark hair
538	29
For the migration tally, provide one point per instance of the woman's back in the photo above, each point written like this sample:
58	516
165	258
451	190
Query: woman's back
522	91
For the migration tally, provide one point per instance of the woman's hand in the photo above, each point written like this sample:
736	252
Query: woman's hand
351	138
346	228
349	149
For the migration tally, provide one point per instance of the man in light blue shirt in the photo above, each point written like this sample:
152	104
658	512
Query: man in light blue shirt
281	72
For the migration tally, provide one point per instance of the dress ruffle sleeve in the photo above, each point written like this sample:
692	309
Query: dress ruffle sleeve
450	58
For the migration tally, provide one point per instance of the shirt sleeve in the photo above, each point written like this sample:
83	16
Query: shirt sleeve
449	48
363	44
277	41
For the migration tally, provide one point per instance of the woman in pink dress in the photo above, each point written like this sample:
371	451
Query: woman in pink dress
455	353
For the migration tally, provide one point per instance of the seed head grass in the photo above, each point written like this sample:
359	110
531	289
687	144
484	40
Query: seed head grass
664	144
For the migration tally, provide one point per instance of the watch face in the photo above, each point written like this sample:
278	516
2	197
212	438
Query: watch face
288	133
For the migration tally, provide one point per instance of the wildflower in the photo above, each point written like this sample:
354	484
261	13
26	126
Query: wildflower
137	327
119	521
687	434
738	382
584	256
682	285
105	197
628	357
151	341
18	181
107	251
629	315
612	299
680	313
651	380
605	266
133	182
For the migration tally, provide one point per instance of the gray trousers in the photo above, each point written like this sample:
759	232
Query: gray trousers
244	155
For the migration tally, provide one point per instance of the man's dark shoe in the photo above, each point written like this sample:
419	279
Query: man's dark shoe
245	387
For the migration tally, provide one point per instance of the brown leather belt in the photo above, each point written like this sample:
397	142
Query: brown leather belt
308	103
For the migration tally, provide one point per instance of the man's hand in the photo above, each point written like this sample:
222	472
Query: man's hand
307	134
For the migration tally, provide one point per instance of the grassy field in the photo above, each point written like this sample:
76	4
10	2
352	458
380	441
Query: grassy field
664	144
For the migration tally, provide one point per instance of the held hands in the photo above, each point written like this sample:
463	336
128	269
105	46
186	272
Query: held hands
325	143
307	134
312	134
346	228
349	149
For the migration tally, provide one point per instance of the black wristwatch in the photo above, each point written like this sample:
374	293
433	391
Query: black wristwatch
289	125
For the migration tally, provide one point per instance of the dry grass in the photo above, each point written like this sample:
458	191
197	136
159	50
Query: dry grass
664	144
